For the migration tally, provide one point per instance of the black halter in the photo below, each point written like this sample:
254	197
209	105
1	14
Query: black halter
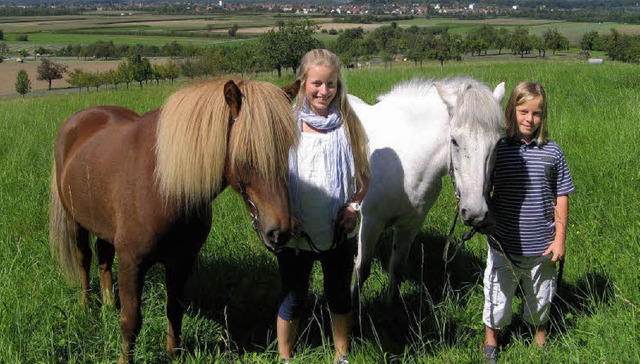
253	209
469	234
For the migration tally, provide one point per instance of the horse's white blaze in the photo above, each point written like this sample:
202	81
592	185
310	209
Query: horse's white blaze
415	133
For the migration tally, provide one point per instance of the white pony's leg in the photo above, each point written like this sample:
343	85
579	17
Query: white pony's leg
367	241
403	238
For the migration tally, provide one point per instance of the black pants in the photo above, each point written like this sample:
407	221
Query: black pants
295	272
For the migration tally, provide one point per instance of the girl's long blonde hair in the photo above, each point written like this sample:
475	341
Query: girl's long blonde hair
526	91
353	127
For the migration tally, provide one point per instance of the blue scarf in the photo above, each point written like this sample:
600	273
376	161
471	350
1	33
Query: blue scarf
341	163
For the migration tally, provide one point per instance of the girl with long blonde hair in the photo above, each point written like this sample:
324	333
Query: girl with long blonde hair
329	175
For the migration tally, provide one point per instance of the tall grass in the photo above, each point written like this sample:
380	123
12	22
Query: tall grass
233	293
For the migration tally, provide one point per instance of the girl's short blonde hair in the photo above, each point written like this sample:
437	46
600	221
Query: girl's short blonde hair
524	92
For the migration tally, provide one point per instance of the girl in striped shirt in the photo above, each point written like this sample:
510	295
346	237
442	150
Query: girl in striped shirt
531	184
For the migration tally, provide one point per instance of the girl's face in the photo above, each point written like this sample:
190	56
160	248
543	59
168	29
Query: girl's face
529	118
320	88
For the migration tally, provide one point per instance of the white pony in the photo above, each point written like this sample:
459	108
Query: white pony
418	132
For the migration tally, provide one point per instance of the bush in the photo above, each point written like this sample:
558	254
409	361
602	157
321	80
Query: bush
23	83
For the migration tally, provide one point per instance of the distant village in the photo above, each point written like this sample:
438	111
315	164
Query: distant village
301	8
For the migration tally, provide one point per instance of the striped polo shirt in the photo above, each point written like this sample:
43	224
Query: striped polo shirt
526	181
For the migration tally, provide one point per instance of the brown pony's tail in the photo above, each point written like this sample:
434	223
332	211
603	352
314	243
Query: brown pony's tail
62	234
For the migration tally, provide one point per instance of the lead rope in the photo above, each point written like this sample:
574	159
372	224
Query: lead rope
459	243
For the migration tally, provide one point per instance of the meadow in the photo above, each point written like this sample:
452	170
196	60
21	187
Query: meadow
232	295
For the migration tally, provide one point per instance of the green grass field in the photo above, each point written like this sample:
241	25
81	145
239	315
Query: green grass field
233	293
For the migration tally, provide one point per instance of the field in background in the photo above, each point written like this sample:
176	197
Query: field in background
148	29
233	293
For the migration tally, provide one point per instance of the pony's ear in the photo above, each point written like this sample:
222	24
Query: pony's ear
233	97
498	93
449	98
292	90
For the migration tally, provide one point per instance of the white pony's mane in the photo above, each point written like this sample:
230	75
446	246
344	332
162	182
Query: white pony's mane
476	107
416	87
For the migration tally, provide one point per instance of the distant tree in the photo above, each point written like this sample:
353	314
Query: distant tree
501	39
49	71
520	41
386	38
233	30
368	46
386	57
102	49
622	47
614	45
77	78
591	41
488	35
474	44
1	35
349	44
539	44
243	60
447	47
23	83
554	40
42	51
347	59
141	68
191	68
173	49
419	45
22	38
96	79
126	72
112	77
85	52
285	46
479	40
24	53
172	70
136	50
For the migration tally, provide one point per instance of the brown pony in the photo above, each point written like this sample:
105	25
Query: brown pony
143	186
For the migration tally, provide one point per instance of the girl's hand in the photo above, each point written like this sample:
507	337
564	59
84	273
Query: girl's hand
556	249
348	219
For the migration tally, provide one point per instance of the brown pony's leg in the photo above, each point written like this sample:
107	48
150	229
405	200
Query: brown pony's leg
84	254
177	273
106	253
131	274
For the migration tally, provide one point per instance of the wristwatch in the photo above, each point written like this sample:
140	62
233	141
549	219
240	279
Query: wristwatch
355	206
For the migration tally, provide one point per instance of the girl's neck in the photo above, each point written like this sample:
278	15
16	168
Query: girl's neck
306	128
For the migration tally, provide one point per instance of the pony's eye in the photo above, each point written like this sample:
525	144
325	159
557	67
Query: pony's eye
454	142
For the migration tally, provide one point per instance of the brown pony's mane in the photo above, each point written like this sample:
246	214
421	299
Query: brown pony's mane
195	137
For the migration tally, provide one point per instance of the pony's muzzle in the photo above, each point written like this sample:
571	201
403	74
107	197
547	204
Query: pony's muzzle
482	222
277	236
